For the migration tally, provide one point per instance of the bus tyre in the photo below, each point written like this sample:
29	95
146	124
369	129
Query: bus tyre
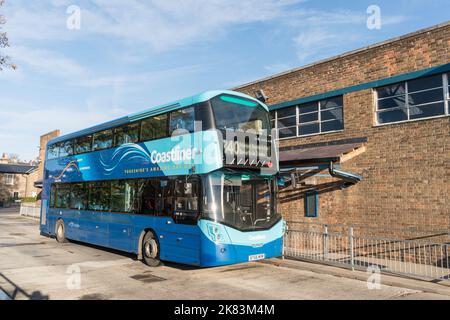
150	250
60	232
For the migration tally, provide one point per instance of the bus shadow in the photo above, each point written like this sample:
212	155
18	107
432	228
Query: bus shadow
15	291
106	249
133	256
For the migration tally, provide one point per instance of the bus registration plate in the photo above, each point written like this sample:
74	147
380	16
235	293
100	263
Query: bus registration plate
255	257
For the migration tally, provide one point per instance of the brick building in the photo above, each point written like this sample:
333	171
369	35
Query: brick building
381	112
16	181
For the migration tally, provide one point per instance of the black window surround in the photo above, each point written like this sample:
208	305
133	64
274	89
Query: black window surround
69	147
312	118
174	193
416	99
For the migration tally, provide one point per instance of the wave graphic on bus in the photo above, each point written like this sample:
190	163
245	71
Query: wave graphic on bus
73	164
130	151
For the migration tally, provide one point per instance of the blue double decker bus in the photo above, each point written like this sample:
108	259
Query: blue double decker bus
191	182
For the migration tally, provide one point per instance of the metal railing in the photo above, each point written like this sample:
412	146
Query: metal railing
417	256
30	210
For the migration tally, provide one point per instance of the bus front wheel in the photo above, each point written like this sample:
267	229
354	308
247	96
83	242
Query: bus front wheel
150	250
60	232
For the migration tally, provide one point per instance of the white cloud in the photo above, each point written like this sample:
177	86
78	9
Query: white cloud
160	24
46	62
323	31
38	120
146	77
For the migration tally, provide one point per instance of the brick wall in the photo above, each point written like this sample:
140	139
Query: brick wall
406	167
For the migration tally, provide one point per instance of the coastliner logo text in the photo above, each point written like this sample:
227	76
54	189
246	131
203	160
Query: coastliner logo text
174	155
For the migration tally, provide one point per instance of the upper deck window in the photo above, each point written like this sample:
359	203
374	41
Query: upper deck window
237	113
83	144
127	134
66	149
419	98
103	140
154	127
53	151
182	121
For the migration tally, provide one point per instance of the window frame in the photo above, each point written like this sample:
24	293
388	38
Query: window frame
185	130
9	179
166	131
315	213
86	196
319	120
102	132
167	192
138	125
445	100
75	142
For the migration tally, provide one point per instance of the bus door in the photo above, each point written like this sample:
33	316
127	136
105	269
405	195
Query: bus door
180	237
123	205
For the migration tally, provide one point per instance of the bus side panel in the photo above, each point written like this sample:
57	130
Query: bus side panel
178	242
120	231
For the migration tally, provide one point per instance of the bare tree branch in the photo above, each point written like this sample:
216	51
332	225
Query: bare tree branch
5	61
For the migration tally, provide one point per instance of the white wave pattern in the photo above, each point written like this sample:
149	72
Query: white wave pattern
128	151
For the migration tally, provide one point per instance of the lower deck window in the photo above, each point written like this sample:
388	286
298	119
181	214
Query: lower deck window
157	196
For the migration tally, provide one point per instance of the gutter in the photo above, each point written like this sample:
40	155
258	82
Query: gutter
349	178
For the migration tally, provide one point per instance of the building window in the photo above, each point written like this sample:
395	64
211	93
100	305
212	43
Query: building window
9	179
414	99
309	118
311	204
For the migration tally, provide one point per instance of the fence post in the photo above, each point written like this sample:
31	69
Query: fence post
350	245
325	243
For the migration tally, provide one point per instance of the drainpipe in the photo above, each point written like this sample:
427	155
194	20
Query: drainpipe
347	177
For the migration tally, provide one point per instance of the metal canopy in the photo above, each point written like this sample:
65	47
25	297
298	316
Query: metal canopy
316	155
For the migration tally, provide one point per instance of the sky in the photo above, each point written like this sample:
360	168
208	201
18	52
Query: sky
81	63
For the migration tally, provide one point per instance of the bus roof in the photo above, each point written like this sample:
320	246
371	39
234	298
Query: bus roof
179	104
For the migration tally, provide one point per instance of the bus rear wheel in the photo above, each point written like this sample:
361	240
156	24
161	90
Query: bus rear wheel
150	250
60	232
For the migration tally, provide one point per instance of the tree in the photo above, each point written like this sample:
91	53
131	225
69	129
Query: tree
5	61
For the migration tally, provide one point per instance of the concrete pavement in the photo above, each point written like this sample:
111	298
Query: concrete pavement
36	267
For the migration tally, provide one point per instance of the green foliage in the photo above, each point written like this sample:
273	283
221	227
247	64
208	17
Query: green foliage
28	199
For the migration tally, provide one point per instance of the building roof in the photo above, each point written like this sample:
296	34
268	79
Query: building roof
321	154
16	168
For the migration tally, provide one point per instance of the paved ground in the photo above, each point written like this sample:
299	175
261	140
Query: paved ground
32	266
